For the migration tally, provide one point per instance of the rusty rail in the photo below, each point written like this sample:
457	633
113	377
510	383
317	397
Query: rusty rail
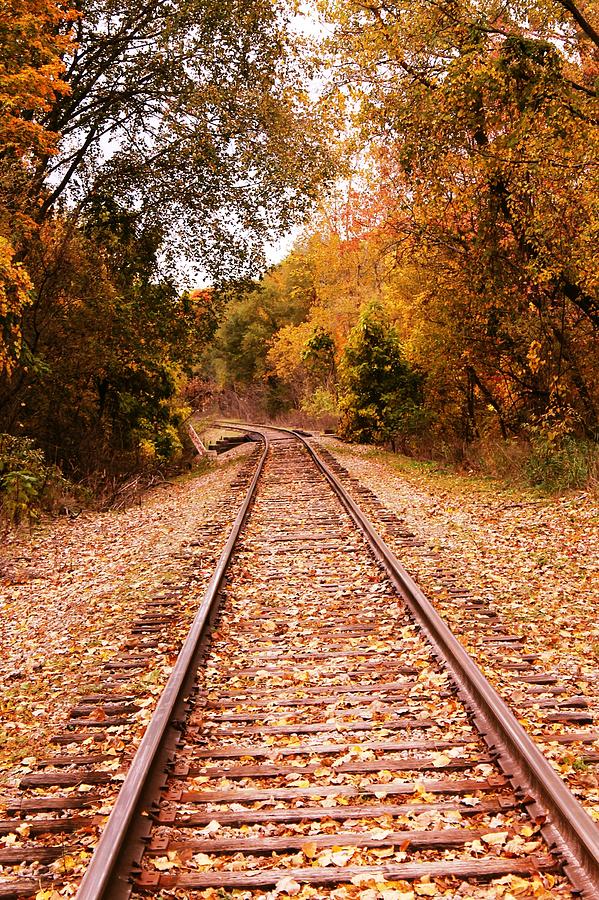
119	848
568	829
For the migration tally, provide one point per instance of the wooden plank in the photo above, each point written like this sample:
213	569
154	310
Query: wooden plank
107	698
235	751
387	763
91	759
539	679
251	795
379	656
64	779
268	714
568	703
572	737
585	718
318	727
303	536
386	667
358	687
78	737
21	887
320	699
108	722
46	826
333	648
116	709
447	837
463	869
13	856
335	813
196	441
498	638
43	804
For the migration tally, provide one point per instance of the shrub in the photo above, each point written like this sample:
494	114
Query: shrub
382	394
558	466
27	483
321	403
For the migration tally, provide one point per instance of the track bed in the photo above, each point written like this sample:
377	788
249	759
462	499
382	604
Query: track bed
323	748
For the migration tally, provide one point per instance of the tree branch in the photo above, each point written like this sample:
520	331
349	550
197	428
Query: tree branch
580	20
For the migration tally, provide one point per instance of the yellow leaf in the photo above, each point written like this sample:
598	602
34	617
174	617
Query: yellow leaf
519	885
440	760
163	864
340	857
385	851
288	885
309	850
425	890
379	834
498	837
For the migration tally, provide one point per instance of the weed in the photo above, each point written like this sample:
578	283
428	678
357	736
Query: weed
557	467
27	483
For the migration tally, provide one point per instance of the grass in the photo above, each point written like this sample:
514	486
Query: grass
517	469
423	473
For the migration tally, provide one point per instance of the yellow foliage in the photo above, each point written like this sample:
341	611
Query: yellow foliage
15	285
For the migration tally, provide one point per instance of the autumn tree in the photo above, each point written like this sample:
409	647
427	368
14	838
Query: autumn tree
109	342
34	36
154	137
381	394
254	313
482	121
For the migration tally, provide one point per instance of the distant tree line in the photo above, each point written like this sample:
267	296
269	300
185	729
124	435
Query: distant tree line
470	227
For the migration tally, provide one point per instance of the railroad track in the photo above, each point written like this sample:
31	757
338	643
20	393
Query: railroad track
322	730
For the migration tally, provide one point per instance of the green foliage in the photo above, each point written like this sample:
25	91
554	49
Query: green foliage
559	465
27	483
381	399
109	343
319	354
254	313
321	404
140	140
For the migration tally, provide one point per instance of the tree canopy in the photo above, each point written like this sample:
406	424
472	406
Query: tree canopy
193	112
458	242
140	141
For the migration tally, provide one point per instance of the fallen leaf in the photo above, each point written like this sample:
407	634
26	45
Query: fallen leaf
287	885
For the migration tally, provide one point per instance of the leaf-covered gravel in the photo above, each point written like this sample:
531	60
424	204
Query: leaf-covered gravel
69	593
534	560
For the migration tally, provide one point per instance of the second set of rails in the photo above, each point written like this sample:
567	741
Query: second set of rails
322	727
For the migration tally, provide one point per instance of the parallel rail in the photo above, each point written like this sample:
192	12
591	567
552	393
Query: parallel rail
122	841
568	830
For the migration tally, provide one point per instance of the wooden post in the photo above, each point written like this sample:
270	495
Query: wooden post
197	443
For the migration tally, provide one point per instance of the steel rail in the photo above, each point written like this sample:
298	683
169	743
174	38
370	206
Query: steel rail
569	830
107	875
